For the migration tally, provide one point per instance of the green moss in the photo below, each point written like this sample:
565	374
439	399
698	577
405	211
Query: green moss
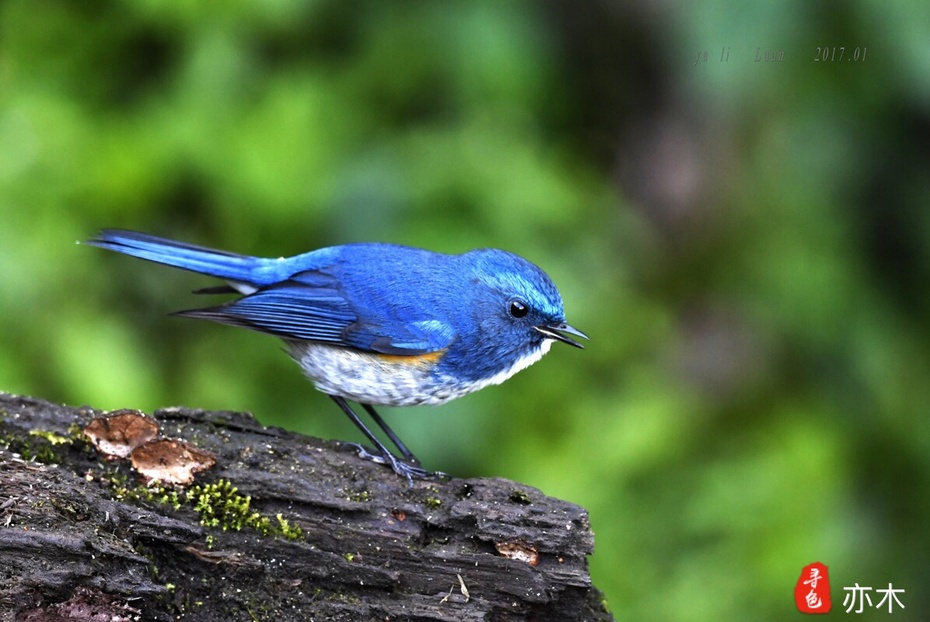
432	500
349	557
219	505
45	446
51	437
39	445
360	496
39	453
519	496
288	531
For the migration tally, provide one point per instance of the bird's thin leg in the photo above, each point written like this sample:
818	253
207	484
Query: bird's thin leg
408	455
400	467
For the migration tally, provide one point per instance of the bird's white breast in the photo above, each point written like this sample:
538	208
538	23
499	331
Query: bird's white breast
392	380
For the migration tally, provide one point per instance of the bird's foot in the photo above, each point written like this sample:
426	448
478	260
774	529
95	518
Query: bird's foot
405	469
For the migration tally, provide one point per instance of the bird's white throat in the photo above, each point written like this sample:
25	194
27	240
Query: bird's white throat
519	365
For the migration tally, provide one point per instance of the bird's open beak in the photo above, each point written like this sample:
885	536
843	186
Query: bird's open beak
555	330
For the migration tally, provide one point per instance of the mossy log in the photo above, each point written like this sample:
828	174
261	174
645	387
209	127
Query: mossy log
281	527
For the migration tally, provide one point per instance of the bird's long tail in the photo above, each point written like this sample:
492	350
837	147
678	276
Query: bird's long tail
230	266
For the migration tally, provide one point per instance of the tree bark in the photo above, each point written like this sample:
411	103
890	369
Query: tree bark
282	527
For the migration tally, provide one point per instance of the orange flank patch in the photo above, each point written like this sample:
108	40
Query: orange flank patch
419	360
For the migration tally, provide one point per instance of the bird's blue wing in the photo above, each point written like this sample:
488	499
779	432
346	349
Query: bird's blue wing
400	338
311	305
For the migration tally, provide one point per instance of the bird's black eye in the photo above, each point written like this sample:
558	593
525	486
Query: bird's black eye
518	308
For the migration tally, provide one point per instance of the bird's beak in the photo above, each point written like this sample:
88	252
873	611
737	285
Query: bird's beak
554	330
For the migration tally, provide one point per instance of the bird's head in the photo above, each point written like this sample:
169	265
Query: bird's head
519	308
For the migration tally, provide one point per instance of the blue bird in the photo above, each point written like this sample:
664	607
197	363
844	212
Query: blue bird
381	324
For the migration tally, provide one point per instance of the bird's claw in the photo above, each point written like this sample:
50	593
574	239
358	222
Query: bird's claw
404	469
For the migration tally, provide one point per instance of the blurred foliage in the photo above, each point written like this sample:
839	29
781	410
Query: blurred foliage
748	244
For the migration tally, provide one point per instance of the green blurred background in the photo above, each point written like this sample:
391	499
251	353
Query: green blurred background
748	245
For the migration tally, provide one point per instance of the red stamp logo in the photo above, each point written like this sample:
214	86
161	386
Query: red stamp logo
812	591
